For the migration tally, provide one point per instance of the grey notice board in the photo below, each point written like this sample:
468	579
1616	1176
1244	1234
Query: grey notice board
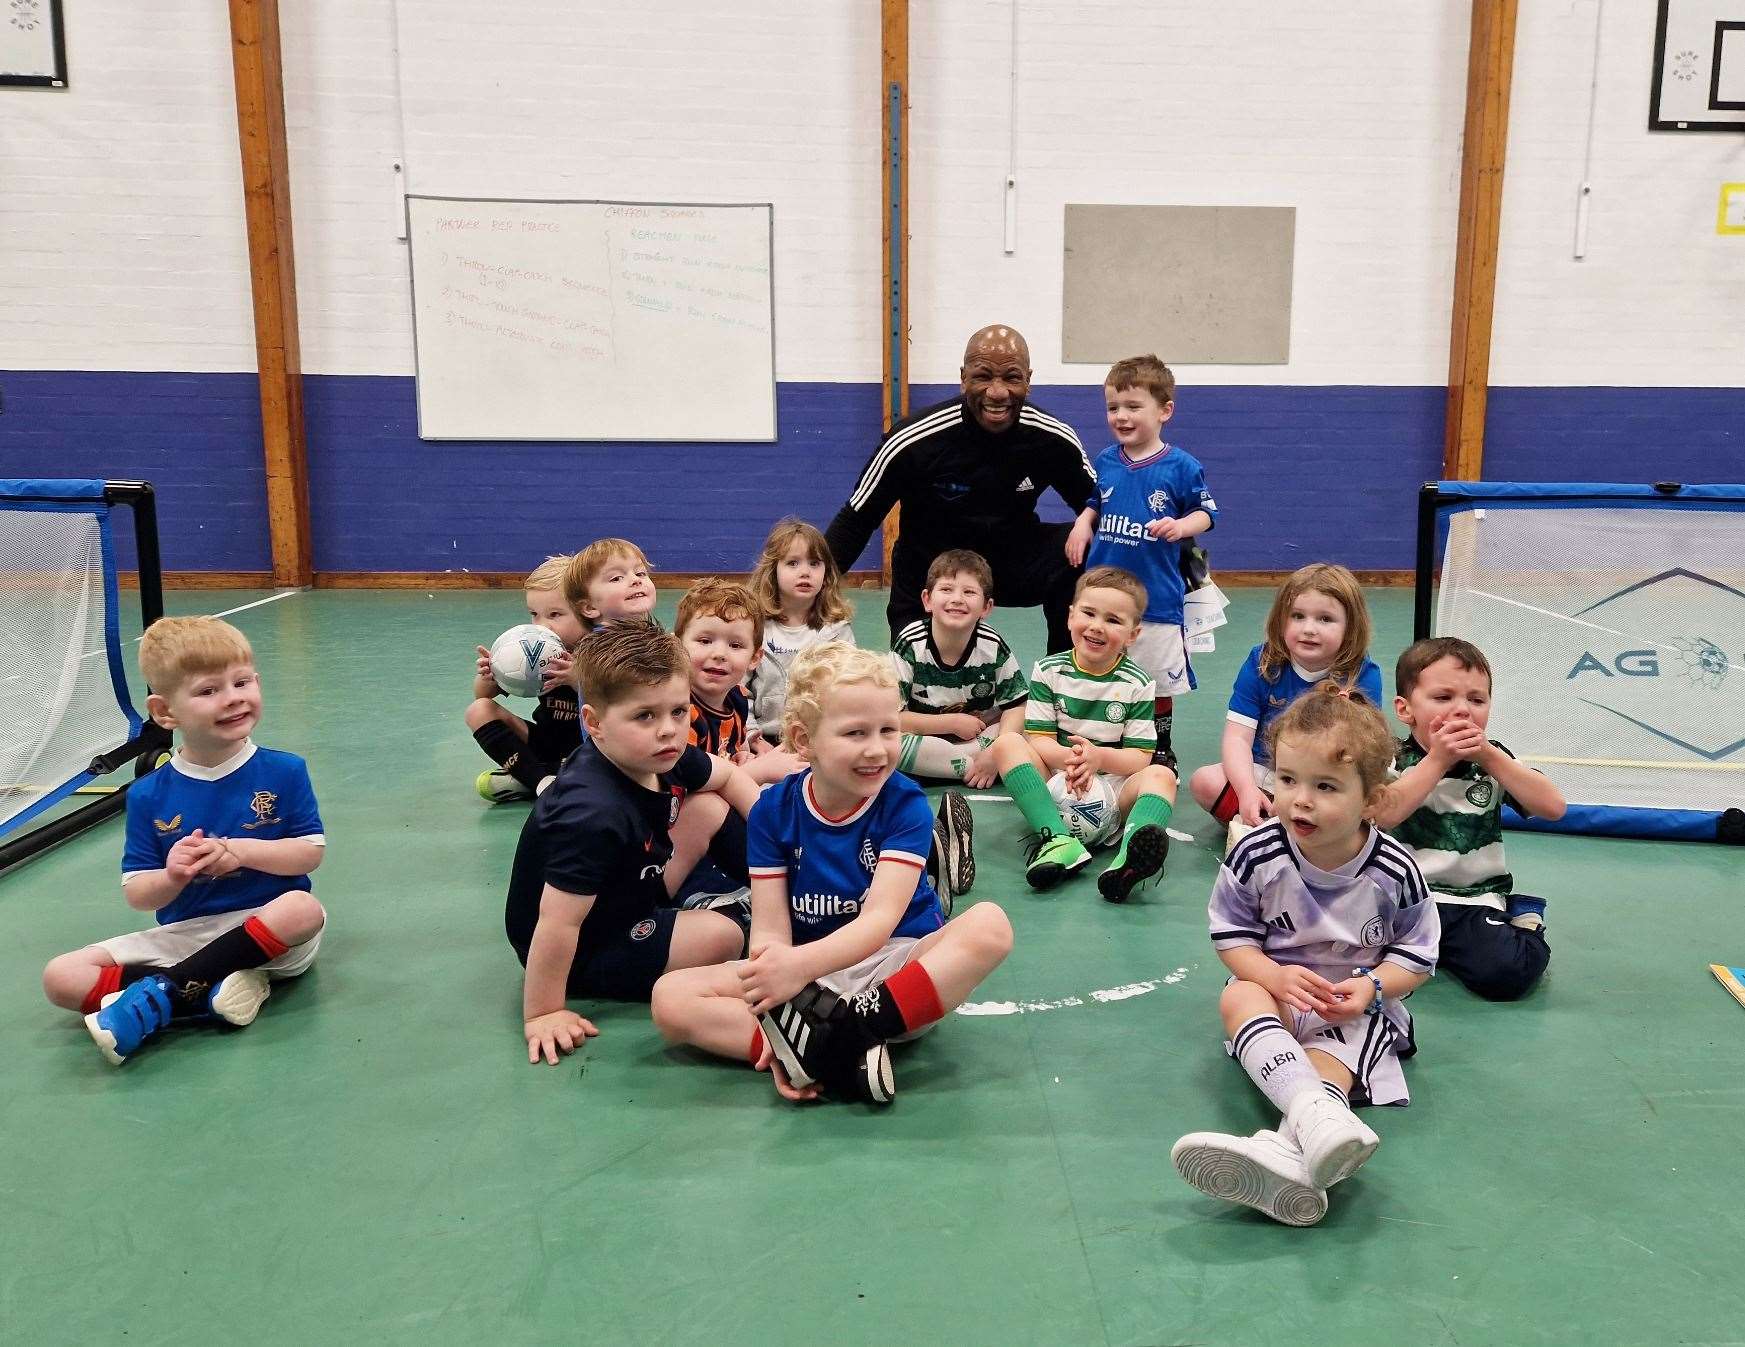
1203	285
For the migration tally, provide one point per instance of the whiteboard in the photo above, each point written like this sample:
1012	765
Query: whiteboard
592	320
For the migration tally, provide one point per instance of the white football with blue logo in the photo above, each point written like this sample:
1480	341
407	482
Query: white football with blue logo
1093	817
519	658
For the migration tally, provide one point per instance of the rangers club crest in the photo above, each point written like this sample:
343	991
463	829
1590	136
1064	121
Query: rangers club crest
1158	502
262	805
869	858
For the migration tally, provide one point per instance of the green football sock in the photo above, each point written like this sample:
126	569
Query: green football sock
1031	796
1146	809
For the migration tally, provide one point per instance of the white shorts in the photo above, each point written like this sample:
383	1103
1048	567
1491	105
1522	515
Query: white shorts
166	946
1370	1047
874	969
1161	650
1115	782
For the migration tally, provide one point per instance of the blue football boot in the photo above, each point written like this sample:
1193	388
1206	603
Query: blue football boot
130	1016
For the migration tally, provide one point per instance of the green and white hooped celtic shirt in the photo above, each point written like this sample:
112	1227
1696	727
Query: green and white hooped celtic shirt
1457	833
1112	710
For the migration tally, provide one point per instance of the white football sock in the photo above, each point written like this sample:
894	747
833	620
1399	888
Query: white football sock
1274	1061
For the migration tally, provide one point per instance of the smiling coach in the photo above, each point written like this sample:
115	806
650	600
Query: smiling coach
968	473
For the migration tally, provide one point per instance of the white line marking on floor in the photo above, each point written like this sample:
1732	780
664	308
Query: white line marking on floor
1101	997
271	598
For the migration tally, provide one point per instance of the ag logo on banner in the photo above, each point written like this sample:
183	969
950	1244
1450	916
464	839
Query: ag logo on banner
1653	653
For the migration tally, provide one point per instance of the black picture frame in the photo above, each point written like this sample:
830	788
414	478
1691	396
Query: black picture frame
1722	28
57	78
1660	123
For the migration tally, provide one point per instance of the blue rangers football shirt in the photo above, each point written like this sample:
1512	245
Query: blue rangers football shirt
1258	701
259	793
1168	485
829	863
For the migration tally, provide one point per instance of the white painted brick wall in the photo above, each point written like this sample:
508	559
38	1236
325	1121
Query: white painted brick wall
667	102
120	198
1349	111
1659	300
122	241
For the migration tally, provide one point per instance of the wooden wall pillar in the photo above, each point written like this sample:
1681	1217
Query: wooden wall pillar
894	197
1489	66
266	186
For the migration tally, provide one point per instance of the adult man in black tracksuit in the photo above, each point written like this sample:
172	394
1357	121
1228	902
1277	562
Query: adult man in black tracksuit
968	473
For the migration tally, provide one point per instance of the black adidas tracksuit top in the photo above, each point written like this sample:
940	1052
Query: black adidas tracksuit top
962	486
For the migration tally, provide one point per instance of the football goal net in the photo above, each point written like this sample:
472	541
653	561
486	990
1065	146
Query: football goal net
1613	617
68	719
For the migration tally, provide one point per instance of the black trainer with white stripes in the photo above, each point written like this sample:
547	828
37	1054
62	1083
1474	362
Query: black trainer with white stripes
819	1040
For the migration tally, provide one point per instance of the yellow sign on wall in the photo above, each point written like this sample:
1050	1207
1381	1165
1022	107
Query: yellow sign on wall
1730	219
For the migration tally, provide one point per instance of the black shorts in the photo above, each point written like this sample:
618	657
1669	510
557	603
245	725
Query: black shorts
550	742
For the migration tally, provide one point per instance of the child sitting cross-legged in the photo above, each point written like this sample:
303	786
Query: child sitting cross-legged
528	752
1091	711
586	910
1316	630
849	948
221	841
960	683
1447	806
1325	925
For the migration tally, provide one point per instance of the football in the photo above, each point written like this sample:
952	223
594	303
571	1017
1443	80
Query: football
519	657
1093	817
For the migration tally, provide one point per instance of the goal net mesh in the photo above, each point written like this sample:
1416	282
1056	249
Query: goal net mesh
63	692
1616	637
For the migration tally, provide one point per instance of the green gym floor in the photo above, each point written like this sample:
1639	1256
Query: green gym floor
375	1161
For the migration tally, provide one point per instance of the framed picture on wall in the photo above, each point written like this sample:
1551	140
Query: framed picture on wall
33	44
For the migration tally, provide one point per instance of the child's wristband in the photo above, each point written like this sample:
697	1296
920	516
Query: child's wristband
1374	1007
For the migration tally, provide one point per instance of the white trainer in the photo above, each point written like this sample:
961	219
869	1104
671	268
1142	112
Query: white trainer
238	996
1335	1141
1263	1171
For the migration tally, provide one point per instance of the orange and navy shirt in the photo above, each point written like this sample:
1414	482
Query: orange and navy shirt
722	733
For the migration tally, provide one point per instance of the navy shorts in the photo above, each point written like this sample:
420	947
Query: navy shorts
622	963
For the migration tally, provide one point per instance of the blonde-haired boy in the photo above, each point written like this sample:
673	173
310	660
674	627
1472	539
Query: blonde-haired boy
528	752
220	844
850	947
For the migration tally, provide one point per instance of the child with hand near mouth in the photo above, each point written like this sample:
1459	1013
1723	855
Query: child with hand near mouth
1447	805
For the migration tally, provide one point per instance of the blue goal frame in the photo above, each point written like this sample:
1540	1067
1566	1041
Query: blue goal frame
1438	500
